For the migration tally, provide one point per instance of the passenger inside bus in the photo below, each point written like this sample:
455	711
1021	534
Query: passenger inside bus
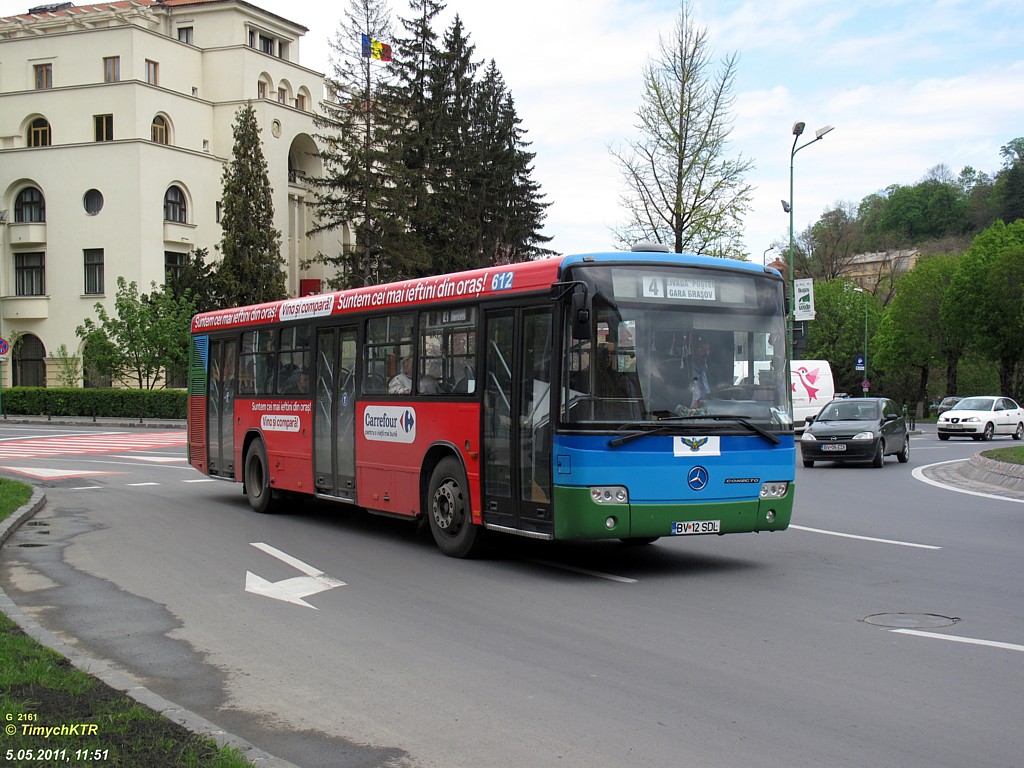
401	384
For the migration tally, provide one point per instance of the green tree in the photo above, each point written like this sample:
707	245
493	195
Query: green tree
1009	185
251	269
509	205
195	277
912	336
147	335
986	295
681	187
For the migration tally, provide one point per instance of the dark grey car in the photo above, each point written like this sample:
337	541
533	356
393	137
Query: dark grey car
856	429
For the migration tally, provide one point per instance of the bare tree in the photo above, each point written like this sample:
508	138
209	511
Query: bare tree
682	190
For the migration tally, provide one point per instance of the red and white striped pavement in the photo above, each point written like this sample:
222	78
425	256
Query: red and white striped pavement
103	442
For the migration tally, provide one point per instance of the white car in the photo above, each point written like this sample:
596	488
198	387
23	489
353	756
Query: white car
981	418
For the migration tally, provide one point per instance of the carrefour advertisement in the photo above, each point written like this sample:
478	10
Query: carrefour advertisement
390	424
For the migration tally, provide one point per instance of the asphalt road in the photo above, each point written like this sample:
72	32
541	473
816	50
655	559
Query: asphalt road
884	628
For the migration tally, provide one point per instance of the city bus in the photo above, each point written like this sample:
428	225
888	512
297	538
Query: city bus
580	397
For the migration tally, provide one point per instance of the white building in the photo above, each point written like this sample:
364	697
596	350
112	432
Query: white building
115	127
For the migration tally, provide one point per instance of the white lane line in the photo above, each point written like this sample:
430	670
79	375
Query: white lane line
955	639
918	474
586	572
864	538
138	485
201	480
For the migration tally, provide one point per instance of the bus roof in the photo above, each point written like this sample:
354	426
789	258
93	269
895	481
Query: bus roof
506	279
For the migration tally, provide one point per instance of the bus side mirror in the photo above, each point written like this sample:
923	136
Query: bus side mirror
580	319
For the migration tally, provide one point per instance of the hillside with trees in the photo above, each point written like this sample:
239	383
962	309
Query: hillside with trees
952	324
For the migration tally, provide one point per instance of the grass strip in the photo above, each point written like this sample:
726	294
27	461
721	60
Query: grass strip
54	714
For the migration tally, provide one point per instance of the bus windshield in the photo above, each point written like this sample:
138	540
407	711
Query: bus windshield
687	344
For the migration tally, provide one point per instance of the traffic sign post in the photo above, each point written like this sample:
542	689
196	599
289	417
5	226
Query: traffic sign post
865	385
5	350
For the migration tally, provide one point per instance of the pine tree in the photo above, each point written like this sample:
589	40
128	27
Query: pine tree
251	267
364	184
510	208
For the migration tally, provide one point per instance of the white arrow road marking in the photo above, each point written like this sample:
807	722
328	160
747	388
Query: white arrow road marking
294	589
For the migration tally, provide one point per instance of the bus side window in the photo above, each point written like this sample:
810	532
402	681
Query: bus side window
388	340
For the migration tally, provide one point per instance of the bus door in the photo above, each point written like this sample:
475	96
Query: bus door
334	408
220	407
516	483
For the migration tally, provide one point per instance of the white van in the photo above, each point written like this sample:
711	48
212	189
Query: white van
813	386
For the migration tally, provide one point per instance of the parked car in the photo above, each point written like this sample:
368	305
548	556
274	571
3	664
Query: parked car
945	404
856	429
982	418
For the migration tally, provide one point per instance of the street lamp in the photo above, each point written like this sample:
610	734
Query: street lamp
798	129
858	289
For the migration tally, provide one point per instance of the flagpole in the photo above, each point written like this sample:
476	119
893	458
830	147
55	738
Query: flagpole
366	181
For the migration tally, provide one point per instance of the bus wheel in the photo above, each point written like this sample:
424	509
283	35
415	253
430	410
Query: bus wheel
448	511
257	479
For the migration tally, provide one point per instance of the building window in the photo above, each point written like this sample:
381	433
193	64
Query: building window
174	265
267	44
175	207
39	133
93	270
300	102
152	72
112	69
252	39
218	211
185	35
29	207
28	367
158	130
261	90
104	127
43	76
28	274
282	95
93	202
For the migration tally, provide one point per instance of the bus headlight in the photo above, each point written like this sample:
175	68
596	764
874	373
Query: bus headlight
775	490
609	494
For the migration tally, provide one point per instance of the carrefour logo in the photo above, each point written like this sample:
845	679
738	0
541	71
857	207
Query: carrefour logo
394	424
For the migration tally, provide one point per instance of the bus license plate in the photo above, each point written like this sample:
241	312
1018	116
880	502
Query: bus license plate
696	526
833	447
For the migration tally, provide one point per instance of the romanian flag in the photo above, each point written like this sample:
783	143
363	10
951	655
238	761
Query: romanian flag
375	49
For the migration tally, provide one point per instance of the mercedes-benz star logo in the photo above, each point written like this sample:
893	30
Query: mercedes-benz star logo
697	478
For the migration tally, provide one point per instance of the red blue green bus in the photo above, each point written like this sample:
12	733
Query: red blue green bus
623	395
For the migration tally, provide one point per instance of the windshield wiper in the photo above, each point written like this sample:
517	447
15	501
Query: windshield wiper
749	425
622	439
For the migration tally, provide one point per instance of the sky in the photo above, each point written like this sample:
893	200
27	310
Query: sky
907	84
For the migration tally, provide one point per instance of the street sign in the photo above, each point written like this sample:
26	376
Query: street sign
858	363
5	349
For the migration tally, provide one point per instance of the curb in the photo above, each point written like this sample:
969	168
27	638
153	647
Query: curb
89	421
1009	476
118	680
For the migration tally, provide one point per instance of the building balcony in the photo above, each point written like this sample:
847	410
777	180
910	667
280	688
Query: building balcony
25	307
33	233
179	233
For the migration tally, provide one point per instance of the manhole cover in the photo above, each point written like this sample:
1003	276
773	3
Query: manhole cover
910	620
